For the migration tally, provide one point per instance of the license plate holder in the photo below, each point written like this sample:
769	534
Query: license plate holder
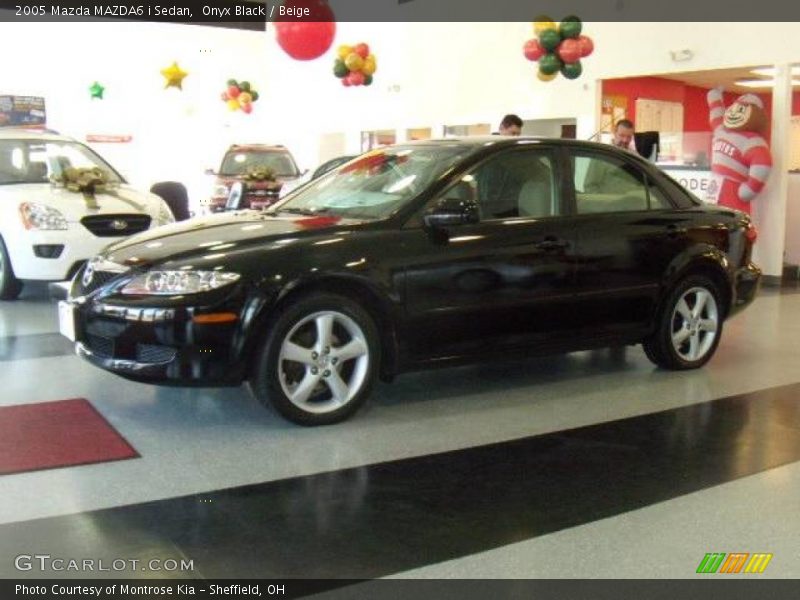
67	319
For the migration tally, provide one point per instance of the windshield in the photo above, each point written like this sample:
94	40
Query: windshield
241	163
375	184
35	161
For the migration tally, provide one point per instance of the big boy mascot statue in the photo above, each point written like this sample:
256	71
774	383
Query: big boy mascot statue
741	160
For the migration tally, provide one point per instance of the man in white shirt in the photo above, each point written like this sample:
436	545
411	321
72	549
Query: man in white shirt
623	135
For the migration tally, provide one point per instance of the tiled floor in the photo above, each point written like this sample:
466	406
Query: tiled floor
197	444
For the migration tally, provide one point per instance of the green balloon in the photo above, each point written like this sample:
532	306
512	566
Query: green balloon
232	82
340	69
549	39
550	63
254	95
245	86
570	27
572	70
367	79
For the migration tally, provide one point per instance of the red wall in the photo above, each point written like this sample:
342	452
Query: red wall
693	98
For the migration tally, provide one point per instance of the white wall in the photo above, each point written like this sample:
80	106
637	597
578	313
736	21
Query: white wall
175	133
429	75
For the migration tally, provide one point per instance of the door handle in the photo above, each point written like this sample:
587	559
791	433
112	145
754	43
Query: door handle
552	244
674	231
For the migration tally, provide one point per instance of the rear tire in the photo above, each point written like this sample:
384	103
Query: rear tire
689	326
10	286
319	361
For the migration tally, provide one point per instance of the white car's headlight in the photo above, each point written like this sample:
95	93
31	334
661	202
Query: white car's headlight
169	283
39	216
165	216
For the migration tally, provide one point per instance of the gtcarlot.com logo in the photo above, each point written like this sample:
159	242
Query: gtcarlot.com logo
45	562
735	562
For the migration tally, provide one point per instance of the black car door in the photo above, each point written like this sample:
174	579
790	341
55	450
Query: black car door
628	232
502	282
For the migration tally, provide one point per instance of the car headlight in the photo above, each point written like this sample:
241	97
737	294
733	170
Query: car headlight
39	216
220	191
165	216
169	283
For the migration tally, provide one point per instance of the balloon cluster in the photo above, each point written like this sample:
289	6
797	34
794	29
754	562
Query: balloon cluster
240	96
558	47
355	65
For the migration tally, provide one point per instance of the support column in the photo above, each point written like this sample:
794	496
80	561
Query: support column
769	210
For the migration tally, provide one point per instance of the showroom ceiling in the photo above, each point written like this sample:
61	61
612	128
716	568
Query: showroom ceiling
727	78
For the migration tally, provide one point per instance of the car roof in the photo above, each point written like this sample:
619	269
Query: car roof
505	140
46	135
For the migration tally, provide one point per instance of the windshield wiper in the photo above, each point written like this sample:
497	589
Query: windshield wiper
309	212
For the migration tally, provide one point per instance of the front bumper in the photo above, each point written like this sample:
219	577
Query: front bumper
164	345
746	283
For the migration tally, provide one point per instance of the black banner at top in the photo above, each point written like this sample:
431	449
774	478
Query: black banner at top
255	14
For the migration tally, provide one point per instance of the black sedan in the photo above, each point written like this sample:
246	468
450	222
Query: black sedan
422	254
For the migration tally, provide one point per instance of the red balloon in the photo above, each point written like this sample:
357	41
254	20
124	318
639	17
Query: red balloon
247	108
362	50
225	96
357	78
585	44
533	50
346	81
569	50
234	91
308	37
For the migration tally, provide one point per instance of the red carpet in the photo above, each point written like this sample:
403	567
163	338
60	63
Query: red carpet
64	433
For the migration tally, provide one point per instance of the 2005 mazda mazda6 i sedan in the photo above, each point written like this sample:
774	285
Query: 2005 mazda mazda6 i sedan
428	253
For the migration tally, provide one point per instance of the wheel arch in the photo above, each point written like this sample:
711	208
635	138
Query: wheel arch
377	303
708	261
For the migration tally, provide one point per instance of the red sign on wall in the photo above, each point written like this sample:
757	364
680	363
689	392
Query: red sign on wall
108	139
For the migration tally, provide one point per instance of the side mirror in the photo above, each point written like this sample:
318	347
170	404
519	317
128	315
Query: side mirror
452	211
235	196
210	171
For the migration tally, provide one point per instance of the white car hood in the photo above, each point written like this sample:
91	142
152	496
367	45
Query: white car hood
123	199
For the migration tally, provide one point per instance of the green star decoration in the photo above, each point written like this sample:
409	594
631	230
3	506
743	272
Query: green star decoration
96	90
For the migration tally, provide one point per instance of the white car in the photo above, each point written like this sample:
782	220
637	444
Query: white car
48	231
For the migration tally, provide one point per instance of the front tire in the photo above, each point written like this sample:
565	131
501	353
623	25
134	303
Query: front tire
689	326
10	286
320	360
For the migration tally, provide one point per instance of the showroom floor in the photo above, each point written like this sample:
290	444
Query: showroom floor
592	464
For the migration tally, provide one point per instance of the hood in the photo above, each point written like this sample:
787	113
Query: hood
124	199
218	233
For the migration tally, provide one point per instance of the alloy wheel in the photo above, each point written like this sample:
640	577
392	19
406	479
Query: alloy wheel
323	362
695	323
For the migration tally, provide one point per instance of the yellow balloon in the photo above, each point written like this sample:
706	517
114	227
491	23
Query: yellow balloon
344	51
233	104
544	77
245	98
542	24
369	66
354	62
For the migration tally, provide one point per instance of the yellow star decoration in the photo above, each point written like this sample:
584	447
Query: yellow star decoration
174	76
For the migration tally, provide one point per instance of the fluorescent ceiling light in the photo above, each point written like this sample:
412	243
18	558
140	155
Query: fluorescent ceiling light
762	83
770	71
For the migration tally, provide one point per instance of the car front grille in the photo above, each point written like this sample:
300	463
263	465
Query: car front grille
116	225
99	279
100	346
152	353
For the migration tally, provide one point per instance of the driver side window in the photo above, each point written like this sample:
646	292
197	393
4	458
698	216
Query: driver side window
514	184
